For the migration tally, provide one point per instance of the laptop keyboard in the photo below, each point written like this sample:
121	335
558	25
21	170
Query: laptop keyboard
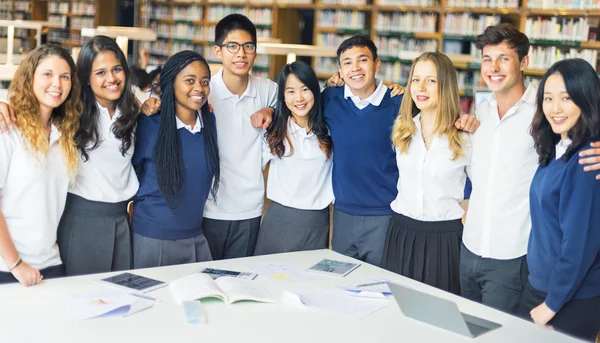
475	329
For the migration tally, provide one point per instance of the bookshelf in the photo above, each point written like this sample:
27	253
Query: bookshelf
78	14
190	25
22	10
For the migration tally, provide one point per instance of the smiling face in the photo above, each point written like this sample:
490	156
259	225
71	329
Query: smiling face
191	87
501	68
560	111
240	62
107	79
298	97
51	82
424	86
358	68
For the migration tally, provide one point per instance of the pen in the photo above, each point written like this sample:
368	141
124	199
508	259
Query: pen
147	297
370	284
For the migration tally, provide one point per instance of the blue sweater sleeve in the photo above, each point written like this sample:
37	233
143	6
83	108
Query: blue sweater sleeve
579	217
143	136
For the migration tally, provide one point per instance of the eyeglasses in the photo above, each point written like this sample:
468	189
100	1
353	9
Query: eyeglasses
234	47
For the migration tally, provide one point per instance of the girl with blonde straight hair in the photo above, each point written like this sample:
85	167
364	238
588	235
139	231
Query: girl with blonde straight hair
423	240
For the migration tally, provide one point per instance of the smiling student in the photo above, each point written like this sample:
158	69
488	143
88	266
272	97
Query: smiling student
94	234
299	182
424	236
38	160
177	161
563	288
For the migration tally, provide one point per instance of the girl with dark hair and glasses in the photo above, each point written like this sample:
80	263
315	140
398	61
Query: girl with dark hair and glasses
563	288
299	182
177	162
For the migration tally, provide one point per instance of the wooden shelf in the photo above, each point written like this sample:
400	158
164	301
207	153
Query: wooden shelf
324	76
505	11
535	72
388	8
341	31
345	7
563	13
418	35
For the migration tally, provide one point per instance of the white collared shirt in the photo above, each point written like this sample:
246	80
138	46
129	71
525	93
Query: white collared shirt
373	99
107	175
241	191
562	147
301	180
195	129
431	185
33	191
502	167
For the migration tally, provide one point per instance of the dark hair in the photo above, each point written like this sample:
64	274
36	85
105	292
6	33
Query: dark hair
140	78
504	32
234	22
167	155
357	41
583	86
88	136
277	131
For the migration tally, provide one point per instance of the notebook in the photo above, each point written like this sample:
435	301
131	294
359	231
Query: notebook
333	267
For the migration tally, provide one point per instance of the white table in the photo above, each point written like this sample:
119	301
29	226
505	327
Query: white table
40	313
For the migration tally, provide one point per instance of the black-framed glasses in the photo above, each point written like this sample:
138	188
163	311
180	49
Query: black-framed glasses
234	47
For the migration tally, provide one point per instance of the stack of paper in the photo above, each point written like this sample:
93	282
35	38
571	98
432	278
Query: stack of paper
336	302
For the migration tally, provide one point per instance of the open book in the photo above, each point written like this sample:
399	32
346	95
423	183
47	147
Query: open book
226	288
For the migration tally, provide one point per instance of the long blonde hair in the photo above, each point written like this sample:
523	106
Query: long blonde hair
27	107
448	107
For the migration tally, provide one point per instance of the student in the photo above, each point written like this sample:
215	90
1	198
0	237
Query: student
243	105
38	160
423	240
94	235
360	116
154	77
563	288
299	182
177	162
493	269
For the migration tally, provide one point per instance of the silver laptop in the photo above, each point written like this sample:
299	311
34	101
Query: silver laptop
439	312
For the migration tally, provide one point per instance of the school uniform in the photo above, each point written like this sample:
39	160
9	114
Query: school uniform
33	190
563	254
94	235
163	236
232	221
423	240
299	186
493	267
364	171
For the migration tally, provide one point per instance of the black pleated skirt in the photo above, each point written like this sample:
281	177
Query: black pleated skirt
428	252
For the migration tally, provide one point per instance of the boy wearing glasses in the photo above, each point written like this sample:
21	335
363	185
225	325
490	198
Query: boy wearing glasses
240	102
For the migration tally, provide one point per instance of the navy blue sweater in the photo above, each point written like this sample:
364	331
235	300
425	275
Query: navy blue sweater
152	217
365	173
564	245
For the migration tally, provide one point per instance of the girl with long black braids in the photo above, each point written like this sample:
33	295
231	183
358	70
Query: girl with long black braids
177	162
299	182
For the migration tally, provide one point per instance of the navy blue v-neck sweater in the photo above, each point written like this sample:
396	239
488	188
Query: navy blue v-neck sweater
365	173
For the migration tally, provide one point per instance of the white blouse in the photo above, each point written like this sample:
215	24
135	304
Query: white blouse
431	185
107	175
33	192
301	180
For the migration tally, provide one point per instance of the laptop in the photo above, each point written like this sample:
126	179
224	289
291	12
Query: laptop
439	312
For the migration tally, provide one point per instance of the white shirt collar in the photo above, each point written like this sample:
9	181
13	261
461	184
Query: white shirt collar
197	127
562	147
105	111
225	93
293	127
374	99
527	98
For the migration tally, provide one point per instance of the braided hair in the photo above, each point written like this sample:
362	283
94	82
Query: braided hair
167	155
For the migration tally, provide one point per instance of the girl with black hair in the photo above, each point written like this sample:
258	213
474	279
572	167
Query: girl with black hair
563	255
299	182
177	162
93	234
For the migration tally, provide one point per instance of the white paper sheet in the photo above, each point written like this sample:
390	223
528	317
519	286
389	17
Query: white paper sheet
106	303
336	302
282	272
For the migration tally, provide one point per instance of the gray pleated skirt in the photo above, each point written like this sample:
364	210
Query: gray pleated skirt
94	237
151	252
286	229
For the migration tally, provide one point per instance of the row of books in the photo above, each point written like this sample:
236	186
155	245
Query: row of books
468	79
570	29
413	3
79	22
542	57
57	19
88	8
331	39
483	3
344	2
468	23
22	5
407	22
393	46
216	13
58	7
156	12
342	19
564	4
395	72
192	13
